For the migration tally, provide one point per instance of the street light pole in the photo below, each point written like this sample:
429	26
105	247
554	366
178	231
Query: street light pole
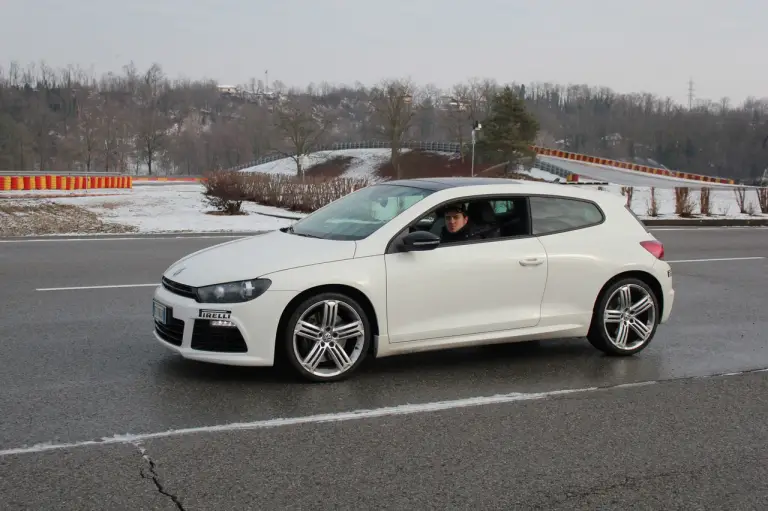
476	126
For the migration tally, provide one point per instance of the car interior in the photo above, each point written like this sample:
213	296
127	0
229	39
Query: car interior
508	217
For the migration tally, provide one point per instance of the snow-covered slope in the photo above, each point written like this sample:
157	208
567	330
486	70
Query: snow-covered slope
364	162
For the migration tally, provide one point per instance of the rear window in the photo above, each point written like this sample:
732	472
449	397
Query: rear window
559	214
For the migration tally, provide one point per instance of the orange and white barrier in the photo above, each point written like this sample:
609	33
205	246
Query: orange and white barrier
57	182
629	166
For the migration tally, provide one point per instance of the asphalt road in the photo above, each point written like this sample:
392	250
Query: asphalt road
81	365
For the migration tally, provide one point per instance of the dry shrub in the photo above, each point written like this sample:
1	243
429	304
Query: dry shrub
224	190
683	203
705	203
285	192
741	198
762	199
627	191
653	204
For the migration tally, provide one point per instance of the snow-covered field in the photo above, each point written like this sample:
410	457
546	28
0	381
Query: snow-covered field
179	207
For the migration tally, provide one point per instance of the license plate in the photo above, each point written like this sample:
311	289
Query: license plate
159	312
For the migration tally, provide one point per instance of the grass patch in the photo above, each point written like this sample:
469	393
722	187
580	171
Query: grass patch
28	218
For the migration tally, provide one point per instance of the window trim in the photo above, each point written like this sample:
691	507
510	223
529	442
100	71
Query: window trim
569	229
391	244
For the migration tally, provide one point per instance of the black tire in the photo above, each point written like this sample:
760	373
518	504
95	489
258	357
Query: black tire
287	336
598	337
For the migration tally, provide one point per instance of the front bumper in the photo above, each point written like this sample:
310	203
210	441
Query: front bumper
250	342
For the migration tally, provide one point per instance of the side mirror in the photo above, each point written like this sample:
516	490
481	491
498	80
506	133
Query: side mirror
420	240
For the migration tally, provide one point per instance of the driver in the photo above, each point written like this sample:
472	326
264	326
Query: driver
458	226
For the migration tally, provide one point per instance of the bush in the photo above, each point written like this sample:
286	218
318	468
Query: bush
628	191
683	204
653	205
705	203
224	191
762	199
280	191
741	198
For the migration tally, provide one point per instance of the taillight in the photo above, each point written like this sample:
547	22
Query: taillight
654	247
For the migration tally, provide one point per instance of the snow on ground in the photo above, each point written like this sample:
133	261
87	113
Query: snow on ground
364	162
179	207
174	208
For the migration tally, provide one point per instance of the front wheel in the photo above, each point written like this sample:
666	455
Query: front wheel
625	318
327	337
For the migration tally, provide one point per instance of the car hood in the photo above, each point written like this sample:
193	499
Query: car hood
255	256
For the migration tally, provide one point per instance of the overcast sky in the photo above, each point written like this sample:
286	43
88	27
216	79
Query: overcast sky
644	46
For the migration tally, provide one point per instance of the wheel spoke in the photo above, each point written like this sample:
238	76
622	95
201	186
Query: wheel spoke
622	335
339	356
330	310
308	330
641	306
315	355
348	331
640	328
625	298
612	316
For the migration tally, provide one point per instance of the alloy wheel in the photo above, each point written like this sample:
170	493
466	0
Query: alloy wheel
329	338
629	317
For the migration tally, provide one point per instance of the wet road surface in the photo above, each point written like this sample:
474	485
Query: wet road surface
81	365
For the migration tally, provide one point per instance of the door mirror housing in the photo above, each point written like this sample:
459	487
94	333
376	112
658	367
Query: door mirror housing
420	241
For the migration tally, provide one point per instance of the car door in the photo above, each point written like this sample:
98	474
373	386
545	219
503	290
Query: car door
460	289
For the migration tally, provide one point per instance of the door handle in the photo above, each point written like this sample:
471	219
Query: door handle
531	261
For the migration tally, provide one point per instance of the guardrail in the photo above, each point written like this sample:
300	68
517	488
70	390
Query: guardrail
629	166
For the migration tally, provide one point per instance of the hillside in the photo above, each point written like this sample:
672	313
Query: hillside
375	165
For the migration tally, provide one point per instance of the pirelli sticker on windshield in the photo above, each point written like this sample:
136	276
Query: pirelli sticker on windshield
214	314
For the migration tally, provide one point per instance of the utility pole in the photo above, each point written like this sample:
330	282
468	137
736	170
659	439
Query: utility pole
690	94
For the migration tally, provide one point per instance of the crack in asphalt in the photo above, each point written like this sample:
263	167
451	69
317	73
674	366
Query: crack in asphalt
155	477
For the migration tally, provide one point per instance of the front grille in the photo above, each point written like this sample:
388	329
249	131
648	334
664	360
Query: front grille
172	331
215	338
179	289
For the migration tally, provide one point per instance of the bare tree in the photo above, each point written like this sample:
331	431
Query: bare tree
393	103
300	126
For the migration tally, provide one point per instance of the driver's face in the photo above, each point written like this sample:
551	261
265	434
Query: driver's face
454	221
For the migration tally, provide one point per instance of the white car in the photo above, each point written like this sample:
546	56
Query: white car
369	276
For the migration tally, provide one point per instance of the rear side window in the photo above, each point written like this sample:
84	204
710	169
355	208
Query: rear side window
557	214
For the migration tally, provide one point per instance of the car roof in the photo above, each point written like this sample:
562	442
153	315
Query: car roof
486	185
441	183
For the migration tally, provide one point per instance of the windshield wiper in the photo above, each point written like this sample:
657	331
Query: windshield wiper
290	230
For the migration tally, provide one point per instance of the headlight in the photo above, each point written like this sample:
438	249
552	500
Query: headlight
233	292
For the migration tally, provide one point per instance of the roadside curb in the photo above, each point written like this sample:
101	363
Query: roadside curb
715	222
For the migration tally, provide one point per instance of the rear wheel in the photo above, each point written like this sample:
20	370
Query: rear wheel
625	318
327	337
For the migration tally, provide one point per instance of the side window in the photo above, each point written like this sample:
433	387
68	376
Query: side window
554	214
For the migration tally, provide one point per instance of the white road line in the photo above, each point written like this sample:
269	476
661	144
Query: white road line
388	411
95	287
141	238
718	259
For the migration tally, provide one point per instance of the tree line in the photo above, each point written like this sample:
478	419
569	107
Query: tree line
141	121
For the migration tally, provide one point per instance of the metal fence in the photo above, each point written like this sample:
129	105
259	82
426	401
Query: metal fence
440	147
551	168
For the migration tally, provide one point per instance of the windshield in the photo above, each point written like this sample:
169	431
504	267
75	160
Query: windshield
359	214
